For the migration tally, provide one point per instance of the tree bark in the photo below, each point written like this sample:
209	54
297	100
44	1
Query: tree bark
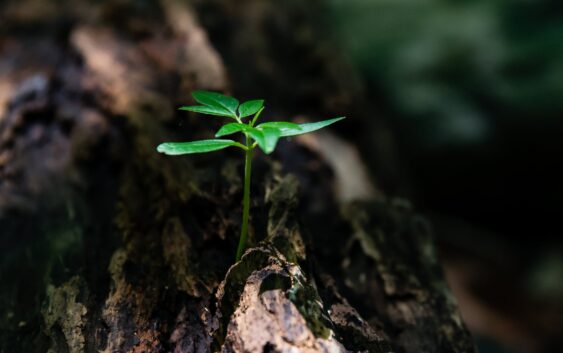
108	246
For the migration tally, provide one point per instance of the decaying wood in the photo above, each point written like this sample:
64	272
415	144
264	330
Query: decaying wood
110	247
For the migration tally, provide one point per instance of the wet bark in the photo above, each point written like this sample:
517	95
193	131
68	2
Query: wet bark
108	246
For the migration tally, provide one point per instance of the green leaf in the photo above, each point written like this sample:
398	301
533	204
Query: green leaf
176	148
266	138
217	100
207	110
281	125
308	127
250	107
271	137
257	135
230	128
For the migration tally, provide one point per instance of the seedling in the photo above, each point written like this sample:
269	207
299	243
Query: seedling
264	135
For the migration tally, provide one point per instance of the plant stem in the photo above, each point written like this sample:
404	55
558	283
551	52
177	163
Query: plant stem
245	198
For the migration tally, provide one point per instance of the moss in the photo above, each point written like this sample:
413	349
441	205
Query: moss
308	302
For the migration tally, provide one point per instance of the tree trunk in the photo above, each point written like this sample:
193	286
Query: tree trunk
108	246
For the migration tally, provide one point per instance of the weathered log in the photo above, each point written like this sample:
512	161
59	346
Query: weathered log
108	246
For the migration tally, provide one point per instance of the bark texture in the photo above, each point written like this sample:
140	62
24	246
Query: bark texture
108	246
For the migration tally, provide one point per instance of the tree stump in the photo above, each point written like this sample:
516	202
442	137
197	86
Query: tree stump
108	246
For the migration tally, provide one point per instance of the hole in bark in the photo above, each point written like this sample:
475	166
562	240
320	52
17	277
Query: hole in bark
269	348
43	116
275	281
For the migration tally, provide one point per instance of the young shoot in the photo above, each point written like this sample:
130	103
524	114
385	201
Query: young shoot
245	118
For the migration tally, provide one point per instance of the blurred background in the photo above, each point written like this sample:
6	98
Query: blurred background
454	105
473	92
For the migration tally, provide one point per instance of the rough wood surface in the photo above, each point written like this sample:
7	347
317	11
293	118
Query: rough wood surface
108	246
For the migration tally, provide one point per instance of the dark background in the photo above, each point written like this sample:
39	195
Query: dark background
473	91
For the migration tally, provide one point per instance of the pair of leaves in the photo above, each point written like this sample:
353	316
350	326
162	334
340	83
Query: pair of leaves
220	105
268	134
265	134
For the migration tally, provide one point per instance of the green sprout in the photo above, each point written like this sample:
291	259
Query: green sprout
264	135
